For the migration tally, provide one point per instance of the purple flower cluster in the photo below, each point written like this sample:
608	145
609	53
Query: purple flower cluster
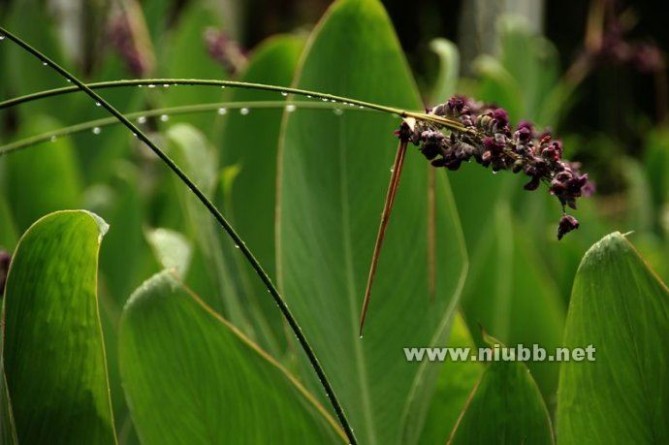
224	50
124	37
488	138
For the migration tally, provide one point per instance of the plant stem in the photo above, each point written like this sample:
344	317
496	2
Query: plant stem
283	307
448	123
385	216
170	111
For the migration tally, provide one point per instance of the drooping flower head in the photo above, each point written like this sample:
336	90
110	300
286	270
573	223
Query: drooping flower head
485	135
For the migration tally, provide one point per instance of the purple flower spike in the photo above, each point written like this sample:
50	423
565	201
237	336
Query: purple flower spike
567	224
489	138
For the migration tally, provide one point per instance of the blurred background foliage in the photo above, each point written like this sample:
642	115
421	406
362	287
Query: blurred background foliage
595	72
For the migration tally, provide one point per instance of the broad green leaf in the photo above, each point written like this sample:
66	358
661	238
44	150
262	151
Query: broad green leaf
449	69
193	153
7	426
620	307
531	61
456	381
656	164
120	203
333	174
639	196
498	86
191	377
505	407
172	249
43	179
54	355
250	200
250	142
510	293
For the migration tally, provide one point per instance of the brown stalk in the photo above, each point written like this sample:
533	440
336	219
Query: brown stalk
385	216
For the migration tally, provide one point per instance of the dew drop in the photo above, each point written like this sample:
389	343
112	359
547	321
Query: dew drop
164	118
290	108
151	85
244	111
284	94
324	99
2	37
141	120
362	107
338	111
222	87
69	80
98	104
45	63
392	170
309	96
166	85
236	246
97	130
222	111
361	337
134	134
494	172
140	86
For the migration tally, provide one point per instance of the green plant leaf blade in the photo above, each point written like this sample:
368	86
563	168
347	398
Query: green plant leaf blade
456	381
333	174
248	149
505	407
190	377
620	307
54	177
53	347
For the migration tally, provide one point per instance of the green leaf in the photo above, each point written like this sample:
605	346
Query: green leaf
333	174
44	179
505	407
511	294
191	377
172	249
455	384
53	348
253	194
191	150
449	69
531	61
620	307
250	202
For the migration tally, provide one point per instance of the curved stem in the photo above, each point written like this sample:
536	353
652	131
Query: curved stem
448	123
283	307
171	111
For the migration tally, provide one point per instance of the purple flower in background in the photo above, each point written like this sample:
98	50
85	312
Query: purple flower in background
129	38
224	50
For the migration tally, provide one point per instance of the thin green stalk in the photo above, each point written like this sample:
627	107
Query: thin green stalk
163	83
283	307
158	112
